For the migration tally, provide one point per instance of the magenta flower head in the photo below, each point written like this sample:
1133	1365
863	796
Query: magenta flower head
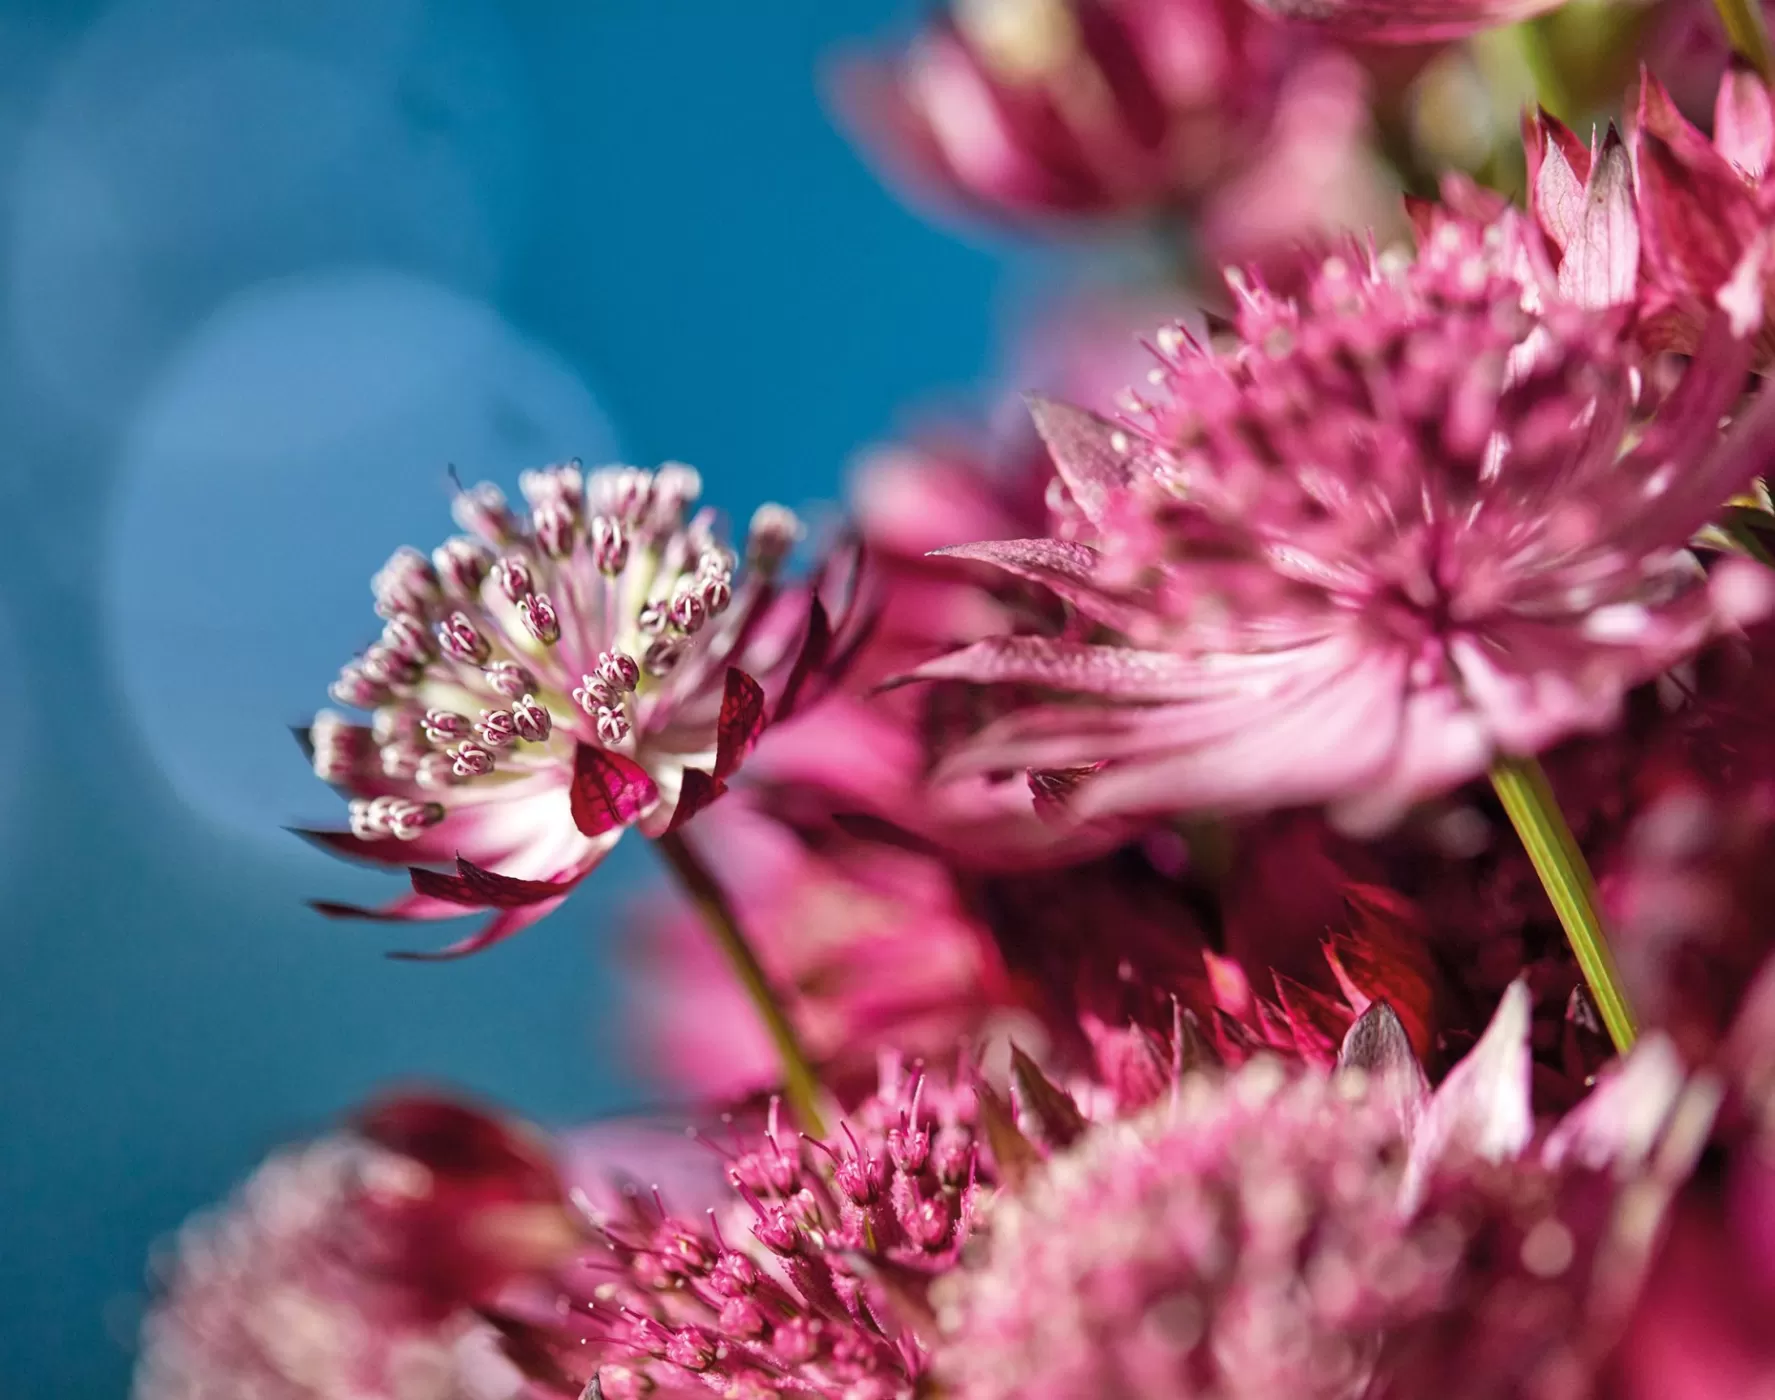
1406	21
1707	213
1043	107
351	1266
1414	521
544	681
1276	1233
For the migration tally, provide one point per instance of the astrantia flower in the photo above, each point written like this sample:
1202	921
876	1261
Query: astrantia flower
1406	21
1318	1237
810	1280
1411	523
1706	213
349	1267
545	681
1021	107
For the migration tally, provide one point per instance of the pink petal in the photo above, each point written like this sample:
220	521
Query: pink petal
1556	191
741	722
608	791
696	791
1743	125
1378	1046
1065	569
1482	1108
1601	263
816	643
1088	453
1121	672
1623	1117
496	930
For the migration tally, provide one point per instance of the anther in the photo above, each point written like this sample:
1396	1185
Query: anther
436	770
688	611
653	618
471	760
462	565
771	535
532	720
512	574
386	666
406	583
460	638
662	656
496	728
717	593
508	678
613	726
610	544
406	634
401	760
540	619
618	670
555	525
445	726
593	695
355	688
481	510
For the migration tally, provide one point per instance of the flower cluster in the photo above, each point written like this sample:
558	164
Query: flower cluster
1249	886
545	681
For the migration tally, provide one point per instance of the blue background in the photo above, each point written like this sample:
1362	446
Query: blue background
267	268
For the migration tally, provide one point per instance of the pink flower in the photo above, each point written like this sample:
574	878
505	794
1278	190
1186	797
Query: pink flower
1406	21
348	1267
1318	1236
1706	214
809	1279
546	681
1403	526
1043	107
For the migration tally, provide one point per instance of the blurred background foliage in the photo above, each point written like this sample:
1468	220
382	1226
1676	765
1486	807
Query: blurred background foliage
269	268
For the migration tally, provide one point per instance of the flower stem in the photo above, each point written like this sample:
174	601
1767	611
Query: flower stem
1749	34
801	1086
1522	786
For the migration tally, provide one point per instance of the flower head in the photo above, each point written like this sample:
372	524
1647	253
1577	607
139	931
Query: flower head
1041	107
548	679
347	1267
1706	214
1415	520
1321	1236
809	1279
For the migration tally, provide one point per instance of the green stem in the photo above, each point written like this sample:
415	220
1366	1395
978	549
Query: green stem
1749	34
1522	786
801	1086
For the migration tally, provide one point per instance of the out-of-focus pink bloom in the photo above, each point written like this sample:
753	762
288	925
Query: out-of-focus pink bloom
1406	21
1041	107
811	1280
350	1267
868	944
545	681
1706	214
1320	1236
1408	524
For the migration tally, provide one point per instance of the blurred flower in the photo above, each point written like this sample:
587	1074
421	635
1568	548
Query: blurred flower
1409	523
1043	107
811	1279
544	682
1320	1236
348	1267
1406	21
1707	214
